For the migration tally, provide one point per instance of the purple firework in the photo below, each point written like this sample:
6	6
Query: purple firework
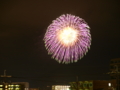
68	38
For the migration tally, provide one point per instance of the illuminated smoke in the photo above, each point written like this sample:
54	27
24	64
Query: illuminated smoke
68	38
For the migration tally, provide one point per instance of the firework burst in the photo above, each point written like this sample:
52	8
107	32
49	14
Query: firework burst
68	38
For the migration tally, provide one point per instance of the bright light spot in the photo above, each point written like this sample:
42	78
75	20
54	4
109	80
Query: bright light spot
68	35
60	87
109	84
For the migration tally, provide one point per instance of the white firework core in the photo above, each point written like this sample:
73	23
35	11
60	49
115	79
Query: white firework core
67	36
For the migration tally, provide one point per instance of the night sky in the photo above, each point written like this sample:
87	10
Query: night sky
23	24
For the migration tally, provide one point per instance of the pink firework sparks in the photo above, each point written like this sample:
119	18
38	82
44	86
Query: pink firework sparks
68	38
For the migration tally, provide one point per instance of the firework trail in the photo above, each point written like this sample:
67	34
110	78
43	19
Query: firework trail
68	38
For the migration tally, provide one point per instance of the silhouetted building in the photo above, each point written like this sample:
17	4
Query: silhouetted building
5	84
94	85
115	68
14	86
115	71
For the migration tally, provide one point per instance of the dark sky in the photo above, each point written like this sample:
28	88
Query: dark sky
23	24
